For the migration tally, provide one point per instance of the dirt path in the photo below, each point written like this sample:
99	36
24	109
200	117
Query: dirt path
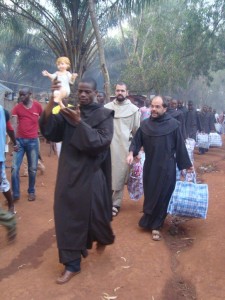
187	264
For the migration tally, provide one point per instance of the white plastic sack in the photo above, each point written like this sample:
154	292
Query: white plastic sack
215	140
202	140
190	145
218	127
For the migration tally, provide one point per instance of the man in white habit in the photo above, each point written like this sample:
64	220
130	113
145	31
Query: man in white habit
126	123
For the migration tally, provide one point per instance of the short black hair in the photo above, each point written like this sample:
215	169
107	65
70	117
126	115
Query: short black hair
90	81
101	92
164	100
25	90
121	83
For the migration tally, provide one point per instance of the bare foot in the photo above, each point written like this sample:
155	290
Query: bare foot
100	248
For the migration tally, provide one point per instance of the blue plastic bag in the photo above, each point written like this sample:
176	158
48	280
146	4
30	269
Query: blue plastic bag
189	199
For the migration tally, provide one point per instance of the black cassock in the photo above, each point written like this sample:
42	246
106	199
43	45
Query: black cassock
179	116
192	123
164	147
206	121
83	204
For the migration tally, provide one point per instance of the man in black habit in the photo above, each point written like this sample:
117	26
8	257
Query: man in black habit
164	146
177	114
192	121
206	124
83	202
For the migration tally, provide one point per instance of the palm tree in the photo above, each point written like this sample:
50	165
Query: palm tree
22	56
65	25
102	60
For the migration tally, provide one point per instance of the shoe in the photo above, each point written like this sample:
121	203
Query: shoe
66	276
31	197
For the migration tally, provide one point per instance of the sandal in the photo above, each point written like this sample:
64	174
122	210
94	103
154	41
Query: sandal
115	210
156	235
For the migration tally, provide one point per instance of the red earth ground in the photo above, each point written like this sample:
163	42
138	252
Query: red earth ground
188	263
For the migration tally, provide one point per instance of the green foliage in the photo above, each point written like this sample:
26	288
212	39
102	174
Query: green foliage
22	56
165	44
65	27
172	43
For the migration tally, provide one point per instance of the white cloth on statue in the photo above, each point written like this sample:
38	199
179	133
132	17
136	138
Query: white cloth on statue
65	80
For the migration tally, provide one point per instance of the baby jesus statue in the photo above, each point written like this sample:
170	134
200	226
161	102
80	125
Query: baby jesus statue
64	76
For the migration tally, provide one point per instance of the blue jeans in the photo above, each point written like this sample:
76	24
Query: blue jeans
30	147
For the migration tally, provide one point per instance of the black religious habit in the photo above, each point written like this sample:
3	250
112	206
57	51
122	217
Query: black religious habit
192	123
164	146
82	201
179	116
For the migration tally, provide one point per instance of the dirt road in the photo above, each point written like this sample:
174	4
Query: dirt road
189	263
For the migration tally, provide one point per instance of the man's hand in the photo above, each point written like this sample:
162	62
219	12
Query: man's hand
48	109
190	170
56	85
16	147
130	158
73	114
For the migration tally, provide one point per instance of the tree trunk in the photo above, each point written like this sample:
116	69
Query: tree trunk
91	5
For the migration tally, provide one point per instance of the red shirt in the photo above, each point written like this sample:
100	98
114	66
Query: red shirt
27	120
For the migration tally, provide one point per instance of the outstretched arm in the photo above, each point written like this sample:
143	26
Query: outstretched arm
49	75
48	109
73	77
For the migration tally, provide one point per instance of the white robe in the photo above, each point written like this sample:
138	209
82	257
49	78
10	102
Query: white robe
126	123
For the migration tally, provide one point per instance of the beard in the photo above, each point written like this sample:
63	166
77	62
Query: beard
120	98
156	115
25	101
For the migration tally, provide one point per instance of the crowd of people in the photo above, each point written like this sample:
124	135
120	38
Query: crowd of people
98	142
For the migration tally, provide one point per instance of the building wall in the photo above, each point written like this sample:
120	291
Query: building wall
7	104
